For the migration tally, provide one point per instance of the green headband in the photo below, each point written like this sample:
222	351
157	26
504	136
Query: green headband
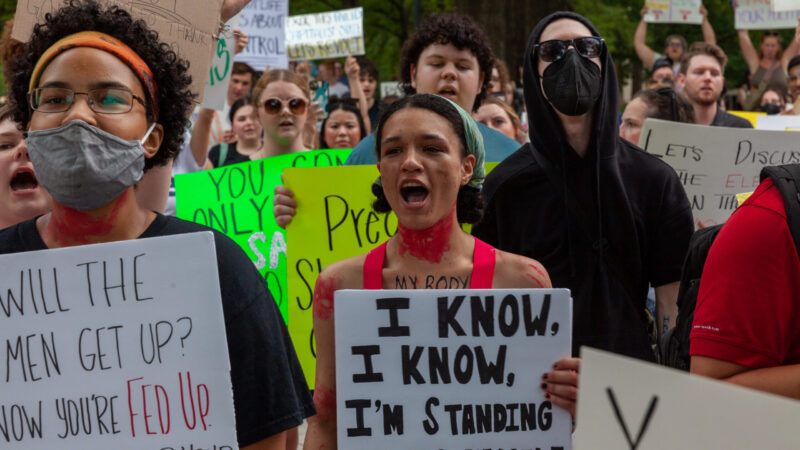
475	146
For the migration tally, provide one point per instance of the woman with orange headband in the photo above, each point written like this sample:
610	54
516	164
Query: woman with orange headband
104	100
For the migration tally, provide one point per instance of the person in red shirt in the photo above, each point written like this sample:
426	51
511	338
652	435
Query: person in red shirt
745	328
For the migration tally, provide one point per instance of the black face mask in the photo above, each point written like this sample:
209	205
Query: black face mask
771	108
572	84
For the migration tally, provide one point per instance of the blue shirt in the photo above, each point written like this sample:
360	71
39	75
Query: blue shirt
497	145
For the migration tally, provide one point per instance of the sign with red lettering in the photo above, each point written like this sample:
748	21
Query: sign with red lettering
118	345
716	163
450	368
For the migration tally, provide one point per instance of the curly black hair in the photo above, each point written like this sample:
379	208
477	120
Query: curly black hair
448	28
470	202
170	72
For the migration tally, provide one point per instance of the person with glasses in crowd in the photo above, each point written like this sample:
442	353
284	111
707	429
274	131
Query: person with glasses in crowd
105	100
661	75
674	47
662	103
617	219
768	66
281	98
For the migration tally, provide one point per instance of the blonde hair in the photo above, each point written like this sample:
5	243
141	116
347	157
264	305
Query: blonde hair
512	115
280	75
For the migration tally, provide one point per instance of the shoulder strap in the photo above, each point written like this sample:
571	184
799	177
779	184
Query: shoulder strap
483	261
223	153
787	180
373	267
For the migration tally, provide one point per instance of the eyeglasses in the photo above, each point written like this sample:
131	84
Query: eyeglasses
102	100
551	51
675	44
274	105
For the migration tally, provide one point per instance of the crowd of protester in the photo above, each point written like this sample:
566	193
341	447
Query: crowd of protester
573	203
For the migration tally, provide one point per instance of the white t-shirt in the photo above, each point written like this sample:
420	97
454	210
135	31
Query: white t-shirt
184	162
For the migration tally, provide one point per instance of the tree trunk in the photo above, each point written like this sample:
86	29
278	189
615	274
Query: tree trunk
508	23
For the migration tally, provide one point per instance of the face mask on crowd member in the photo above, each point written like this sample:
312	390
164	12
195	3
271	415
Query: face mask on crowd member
771	102
794	77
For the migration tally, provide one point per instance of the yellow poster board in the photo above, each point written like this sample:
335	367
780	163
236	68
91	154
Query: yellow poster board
748	115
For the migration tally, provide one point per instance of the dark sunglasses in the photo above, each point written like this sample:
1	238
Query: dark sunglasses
274	105
551	51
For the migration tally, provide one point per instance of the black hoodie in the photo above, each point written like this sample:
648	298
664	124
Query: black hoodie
604	225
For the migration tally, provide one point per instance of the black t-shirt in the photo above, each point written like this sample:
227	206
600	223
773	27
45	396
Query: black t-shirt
526	214
375	114
724	119
270	394
233	156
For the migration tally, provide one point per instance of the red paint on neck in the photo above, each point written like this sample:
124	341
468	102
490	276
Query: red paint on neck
323	298
69	226
429	244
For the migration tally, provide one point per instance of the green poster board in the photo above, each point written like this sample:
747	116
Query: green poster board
237	200
334	221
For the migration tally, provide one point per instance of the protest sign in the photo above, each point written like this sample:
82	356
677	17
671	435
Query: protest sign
188	29
237	200
219	74
784	5
391	88
325	35
673	11
336	221
628	404
758	15
716	163
450	368
775	122
118	345
263	22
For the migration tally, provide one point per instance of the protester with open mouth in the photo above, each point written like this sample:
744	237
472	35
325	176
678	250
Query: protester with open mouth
430	156
21	195
282	104
104	100
344	127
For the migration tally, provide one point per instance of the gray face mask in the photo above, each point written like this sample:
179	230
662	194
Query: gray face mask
84	167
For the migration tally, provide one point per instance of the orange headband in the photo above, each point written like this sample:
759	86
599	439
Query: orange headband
101	41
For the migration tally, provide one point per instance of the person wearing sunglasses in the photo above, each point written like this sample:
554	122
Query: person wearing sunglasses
105	100
281	98
662	103
769	65
674	46
604	218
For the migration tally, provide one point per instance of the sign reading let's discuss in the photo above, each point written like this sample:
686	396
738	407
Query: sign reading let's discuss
118	345
450	368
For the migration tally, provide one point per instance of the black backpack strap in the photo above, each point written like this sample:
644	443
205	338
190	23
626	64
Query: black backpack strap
787	180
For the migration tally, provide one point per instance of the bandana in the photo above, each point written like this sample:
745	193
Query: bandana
475	146
101	41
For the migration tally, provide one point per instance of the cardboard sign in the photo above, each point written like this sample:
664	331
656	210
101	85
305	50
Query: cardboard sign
450	368
219	74
118	345
778	123
334	221
758	15
716	163
784	5
673	11
325	35
263	21
628	404
237	200
188	29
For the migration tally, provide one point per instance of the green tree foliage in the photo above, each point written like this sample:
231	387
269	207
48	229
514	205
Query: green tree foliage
387	24
617	20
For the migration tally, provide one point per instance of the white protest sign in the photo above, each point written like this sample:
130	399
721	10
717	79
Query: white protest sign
716	163
325	35
180	23
219	74
673	11
263	21
628	404
757	15
785	5
450	368
391	88
118	345
775	122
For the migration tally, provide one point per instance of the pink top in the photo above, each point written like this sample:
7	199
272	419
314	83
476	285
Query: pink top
482	266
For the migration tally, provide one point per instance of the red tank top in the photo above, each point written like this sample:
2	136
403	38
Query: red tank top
483	260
